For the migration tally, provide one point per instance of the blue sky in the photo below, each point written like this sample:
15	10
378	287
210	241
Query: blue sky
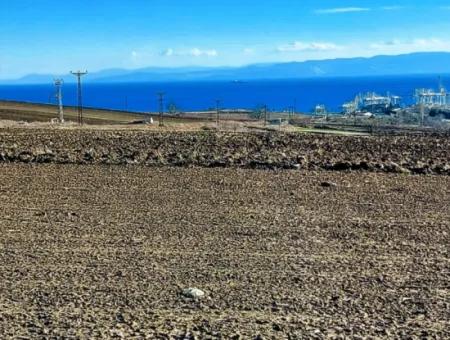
47	36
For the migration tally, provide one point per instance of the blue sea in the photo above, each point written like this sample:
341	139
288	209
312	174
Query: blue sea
303	94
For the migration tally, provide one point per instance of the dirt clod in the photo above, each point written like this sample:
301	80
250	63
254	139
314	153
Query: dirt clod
328	184
424	154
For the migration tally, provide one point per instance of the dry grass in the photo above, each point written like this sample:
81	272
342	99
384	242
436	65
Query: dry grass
15	111
27	115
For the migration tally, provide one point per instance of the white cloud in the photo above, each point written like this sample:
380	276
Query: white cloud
339	10
299	46
392	8
194	52
416	45
385	44
248	51
167	53
136	57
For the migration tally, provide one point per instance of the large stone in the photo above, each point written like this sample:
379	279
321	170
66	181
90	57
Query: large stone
193	293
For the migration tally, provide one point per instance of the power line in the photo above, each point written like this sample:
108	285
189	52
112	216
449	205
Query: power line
80	74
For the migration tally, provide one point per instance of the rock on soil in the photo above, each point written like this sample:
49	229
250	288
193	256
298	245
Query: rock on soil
193	293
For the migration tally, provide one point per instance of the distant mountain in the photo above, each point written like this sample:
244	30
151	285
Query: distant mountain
415	63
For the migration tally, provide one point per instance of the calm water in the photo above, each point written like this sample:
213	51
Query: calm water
279	95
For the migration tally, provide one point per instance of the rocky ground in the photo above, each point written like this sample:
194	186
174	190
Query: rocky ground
426	154
103	251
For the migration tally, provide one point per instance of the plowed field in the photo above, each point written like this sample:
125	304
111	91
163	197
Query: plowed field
100	251
427	154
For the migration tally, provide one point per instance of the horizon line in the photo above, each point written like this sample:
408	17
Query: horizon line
44	74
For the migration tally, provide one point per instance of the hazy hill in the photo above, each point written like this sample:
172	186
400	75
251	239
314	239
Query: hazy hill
416	63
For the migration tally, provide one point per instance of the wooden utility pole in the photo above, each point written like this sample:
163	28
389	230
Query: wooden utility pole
265	115
217	112
161	108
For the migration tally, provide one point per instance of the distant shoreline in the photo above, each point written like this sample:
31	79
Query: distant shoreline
422	63
278	95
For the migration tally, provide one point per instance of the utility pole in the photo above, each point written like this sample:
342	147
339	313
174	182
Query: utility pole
80	74
217	112
422	114
211	114
265	115
58	87
161	108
